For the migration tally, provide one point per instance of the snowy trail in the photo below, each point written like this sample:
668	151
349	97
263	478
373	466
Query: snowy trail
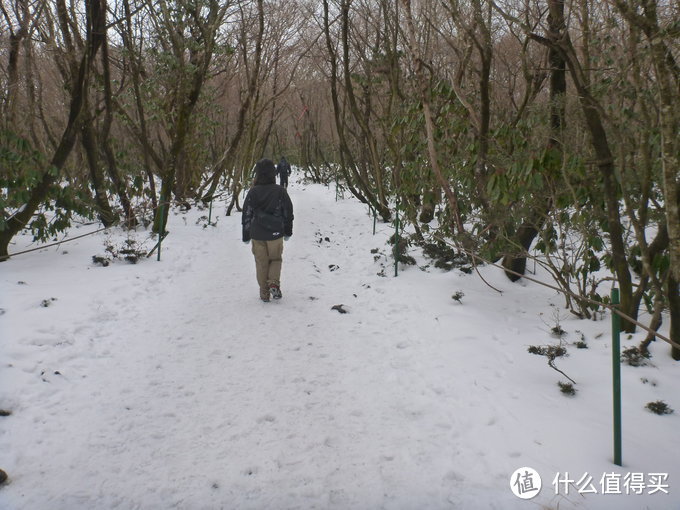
170	385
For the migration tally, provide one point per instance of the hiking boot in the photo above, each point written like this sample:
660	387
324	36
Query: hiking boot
275	291
264	296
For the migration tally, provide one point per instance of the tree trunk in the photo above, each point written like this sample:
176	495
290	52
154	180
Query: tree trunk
13	82
674	308
531	226
431	198
364	194
227	159
359	116
561	42
422	82
141	133
193	75
96	10
111	165
668	87
485	48
611	192
89	142
649	253
517	265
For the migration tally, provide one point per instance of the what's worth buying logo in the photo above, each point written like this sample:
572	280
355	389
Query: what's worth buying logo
525	483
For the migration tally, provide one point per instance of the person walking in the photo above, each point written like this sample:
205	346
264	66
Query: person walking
267	220
283	169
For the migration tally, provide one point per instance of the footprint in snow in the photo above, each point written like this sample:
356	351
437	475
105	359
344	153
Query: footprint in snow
267	418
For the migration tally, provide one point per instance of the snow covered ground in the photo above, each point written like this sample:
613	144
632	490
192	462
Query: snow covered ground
170	385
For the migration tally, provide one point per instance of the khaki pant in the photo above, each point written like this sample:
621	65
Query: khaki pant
267	263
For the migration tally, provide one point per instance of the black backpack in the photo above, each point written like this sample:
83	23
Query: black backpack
272	222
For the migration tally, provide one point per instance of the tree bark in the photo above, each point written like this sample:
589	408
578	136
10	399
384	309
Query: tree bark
89	142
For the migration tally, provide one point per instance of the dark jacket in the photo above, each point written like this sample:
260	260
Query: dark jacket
267	213
283	169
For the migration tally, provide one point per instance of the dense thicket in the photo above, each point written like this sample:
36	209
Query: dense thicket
515	129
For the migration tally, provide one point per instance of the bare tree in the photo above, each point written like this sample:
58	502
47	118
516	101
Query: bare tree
251	64
95	11
423	83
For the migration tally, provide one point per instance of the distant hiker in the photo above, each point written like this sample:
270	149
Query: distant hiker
267	220
283	169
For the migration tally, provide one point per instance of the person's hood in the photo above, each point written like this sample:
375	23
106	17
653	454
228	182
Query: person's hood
265	172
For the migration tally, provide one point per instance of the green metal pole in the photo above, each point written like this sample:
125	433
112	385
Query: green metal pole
161	232
210	212
616	376
396	240
374	219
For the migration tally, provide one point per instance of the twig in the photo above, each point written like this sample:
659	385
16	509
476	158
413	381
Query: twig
6	257
611	308
551	362
160	240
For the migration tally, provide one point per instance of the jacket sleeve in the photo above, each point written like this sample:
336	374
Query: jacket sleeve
287	209
247	217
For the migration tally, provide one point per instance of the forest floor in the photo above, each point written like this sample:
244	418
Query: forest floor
169	384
